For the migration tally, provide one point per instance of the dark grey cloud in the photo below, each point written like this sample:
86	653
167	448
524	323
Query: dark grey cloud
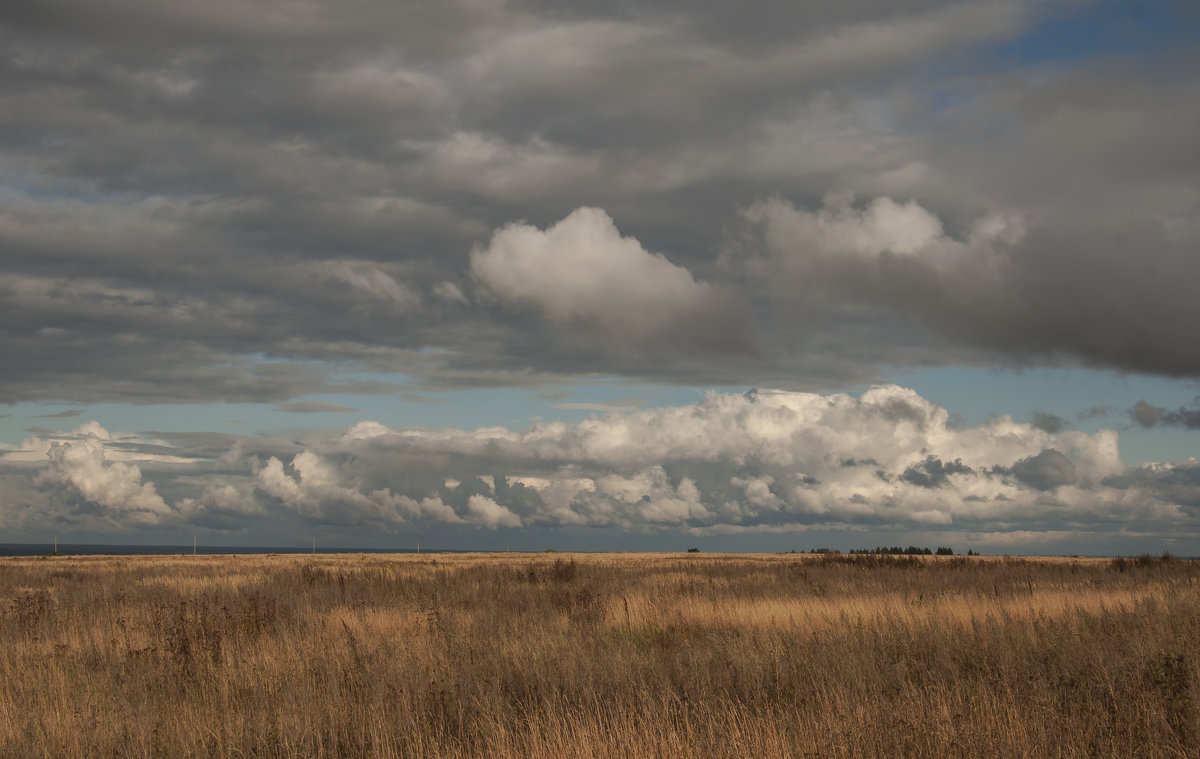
933	472
67	414
1032	294
1179	483
1183	417
1047	470
1147	415
1051	423
255	201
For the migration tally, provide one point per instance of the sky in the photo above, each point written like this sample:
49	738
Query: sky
491	274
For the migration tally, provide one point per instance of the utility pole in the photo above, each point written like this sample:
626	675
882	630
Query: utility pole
314	545
193	545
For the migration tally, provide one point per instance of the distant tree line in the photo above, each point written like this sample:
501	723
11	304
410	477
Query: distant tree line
898	551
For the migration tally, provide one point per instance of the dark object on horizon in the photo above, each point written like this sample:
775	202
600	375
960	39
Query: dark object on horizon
898	551
693	550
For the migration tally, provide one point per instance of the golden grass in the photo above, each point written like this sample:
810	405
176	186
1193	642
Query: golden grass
598	656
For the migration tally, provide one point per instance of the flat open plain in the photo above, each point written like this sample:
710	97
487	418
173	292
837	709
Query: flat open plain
598	655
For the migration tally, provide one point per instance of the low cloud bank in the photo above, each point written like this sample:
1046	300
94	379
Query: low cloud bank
758	461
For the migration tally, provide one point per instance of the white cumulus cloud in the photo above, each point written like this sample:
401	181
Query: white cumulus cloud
760	461
582	271
79	471
766	460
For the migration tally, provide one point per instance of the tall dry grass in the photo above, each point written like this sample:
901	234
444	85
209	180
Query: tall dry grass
598	656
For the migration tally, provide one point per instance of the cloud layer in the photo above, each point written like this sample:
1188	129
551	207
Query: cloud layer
1007	286
259	201
769	461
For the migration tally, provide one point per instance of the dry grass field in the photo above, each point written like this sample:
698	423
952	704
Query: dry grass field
598	656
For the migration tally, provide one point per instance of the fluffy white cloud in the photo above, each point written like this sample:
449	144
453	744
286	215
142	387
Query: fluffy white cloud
366	431
221	496
316	489
840	228
82	476
839	243
491	514
583	271
762	460
94	478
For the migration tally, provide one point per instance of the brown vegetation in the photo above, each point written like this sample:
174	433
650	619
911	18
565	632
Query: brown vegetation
598	656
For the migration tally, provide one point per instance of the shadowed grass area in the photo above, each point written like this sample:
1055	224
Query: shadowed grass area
598	655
